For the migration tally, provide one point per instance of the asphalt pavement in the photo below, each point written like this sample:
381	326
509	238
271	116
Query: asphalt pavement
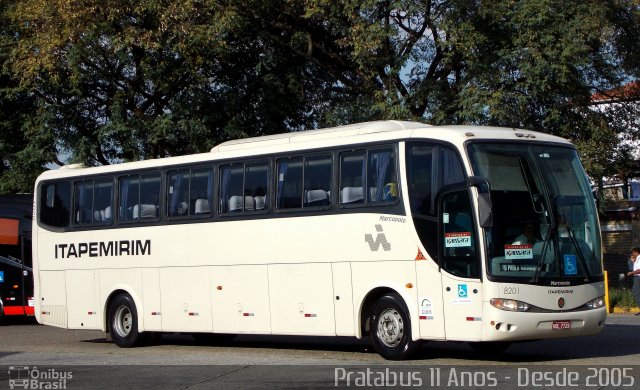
58	358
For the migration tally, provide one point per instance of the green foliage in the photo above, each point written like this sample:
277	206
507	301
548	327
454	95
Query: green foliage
25	146
113	80
621	297
121	81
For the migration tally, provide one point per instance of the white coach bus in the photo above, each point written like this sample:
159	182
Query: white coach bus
398	231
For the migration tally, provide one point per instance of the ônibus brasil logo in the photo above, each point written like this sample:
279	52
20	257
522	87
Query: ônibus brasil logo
24	377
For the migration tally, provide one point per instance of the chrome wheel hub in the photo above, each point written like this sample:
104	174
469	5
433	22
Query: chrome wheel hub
123	321
390	328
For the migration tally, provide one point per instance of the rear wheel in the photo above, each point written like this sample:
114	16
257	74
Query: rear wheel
123	321
390	328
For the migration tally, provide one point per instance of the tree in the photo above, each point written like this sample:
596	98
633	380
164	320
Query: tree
115	81
532	64
24	146
620	109
121	81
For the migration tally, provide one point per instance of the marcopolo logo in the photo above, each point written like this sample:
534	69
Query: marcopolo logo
22	377
381	240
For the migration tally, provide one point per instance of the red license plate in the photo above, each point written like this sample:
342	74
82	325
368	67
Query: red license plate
560	325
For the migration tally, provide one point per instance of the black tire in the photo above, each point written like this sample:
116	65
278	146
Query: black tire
123	322
490	347
390	328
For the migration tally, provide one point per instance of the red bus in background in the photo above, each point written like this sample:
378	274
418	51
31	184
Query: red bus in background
16	274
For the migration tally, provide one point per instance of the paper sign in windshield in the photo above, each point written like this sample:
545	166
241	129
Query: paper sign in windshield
457	240
514	252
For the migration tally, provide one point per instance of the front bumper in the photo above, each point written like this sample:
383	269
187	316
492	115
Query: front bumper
501	325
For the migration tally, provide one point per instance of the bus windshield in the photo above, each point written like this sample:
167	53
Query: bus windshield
544	217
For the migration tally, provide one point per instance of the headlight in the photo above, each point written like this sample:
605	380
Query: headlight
596	303
509	304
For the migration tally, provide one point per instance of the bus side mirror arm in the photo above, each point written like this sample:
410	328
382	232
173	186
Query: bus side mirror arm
484	199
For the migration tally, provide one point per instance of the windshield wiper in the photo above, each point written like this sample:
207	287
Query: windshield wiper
536	276
530	182
583	261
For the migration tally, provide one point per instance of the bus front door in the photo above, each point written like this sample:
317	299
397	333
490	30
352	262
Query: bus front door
460	267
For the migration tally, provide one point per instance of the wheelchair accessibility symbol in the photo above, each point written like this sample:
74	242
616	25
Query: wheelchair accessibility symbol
570	266
462	291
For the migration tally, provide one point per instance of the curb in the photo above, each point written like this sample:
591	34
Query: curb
620	310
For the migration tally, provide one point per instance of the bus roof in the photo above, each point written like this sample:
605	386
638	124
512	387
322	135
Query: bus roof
320	134
336	136
366	128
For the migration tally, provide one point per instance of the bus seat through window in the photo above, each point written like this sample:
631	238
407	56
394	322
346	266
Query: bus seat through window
259	200
352	195
183	208
202	206
249	203
235	203
317	197
145	211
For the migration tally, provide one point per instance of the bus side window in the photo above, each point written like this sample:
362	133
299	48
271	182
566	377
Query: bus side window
256	184
178	193
83	202
92	201
352	170
102	201
128	194
231	180
200	191
189	192
422	164
289	191
55	204
139	197
381	176
460	243
422	175
149	197
430	167
317	177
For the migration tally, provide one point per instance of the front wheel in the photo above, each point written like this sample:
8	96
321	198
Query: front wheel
123	321
390	328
